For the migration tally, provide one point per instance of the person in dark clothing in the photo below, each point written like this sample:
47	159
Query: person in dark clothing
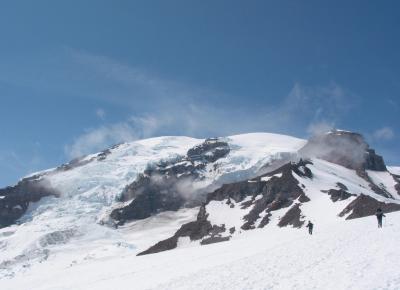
379	215
310	226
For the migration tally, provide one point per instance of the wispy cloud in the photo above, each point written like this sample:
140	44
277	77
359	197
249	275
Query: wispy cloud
180	109
14	162
383	134
160	106
133	86
393	104
321	106
317	128
100	113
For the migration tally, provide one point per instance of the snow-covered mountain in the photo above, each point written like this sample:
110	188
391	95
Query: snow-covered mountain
163	193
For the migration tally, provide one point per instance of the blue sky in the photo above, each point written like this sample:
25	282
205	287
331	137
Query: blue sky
77	76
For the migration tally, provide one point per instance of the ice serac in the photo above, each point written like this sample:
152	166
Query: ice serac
168	185
15	200
345	148
186	180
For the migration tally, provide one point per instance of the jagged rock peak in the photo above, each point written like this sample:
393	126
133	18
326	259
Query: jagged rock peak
210	150
345	148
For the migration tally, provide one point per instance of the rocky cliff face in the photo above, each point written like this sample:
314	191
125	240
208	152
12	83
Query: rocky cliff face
278	188
344	148
262	195
14	200
167	185
279	196
350	150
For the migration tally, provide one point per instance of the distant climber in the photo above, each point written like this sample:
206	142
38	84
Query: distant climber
310	226
379	215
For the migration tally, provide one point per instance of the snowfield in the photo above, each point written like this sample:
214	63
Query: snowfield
60	243
347	255
394	169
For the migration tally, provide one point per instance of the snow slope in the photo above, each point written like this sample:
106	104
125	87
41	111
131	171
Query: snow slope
88	193
60	244
385	181
250	152
349	255
320	208
394	169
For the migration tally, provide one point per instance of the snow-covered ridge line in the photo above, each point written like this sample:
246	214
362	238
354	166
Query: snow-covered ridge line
89	190
394	170
70	228
296	192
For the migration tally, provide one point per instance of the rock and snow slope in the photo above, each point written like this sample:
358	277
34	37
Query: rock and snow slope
315	190
394	170
95	214
88	189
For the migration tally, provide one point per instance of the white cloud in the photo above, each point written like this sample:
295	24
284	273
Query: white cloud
94	140
100	113
201	120
320	127
321	102
97	139
165	107
321	106
385	133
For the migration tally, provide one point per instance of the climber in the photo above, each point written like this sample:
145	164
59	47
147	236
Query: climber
310	226
379	215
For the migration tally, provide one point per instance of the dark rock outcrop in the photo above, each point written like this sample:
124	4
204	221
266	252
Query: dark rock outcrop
14	200
74	163
278	189
338	194
292	217
374	161
194	230
378	190
213	240
344	148
151	196
81	161
210	150
365	205
341	186
277	192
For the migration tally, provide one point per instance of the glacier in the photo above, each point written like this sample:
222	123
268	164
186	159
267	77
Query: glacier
67	242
